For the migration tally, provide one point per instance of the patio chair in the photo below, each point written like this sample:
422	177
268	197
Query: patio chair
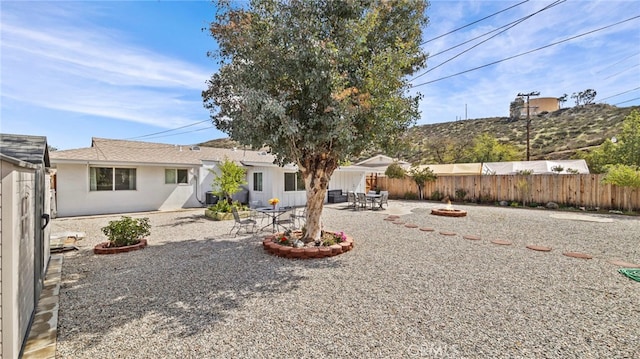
384	199
299	217
361	199
286	222
241	223
351	199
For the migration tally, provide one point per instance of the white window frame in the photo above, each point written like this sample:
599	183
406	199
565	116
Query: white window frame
298	182
258	181
176	176
132	176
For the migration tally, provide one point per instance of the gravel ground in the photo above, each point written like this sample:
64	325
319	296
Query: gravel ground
197	292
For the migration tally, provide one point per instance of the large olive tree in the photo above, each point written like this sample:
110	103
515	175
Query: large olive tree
315	81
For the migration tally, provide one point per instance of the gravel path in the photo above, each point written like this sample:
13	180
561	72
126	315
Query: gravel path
197	292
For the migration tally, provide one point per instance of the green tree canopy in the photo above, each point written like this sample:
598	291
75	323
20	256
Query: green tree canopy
316	81
626	149
488	149
422	176
623	176
394	170
230	178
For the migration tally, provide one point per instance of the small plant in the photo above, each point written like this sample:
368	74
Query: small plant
573	171
410	195
515	204
461	193
436	196
225	207
557	169
126	231
524	172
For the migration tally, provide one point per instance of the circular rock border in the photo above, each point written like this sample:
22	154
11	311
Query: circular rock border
279	250
102	248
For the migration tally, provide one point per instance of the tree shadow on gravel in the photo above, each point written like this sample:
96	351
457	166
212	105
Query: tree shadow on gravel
176	288
186	220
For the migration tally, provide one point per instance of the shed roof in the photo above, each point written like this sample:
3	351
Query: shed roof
26	148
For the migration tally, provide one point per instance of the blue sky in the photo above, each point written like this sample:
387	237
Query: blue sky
129	69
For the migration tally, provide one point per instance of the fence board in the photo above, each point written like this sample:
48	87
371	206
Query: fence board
581	190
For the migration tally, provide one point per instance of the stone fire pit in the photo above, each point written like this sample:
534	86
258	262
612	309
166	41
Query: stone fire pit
448	212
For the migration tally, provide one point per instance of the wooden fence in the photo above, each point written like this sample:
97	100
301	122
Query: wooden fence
582	190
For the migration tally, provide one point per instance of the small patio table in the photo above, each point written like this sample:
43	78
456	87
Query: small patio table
274	213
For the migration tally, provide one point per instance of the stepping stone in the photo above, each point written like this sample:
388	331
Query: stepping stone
501	242
539	248
578	255
471	238
445	233
411	225
397	222
427	229
621	263
391	218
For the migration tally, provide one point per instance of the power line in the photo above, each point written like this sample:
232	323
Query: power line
475	22
628	57
517	22
618	73
173	129
527	52
633	99
182	133
621	93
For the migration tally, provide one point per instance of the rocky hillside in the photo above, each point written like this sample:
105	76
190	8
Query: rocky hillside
554	135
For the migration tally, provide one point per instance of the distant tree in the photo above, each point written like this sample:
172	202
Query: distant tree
487	149
515	107
51	148
422	176
585	97
623	176
562	99
588	96
394	170
315	81
626	149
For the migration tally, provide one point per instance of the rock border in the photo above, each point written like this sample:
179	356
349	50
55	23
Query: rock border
101	248
279	250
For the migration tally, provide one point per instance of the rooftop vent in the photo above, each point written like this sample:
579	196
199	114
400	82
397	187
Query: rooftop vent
195	148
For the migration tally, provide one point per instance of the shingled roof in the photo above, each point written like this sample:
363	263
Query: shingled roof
104	150
30	149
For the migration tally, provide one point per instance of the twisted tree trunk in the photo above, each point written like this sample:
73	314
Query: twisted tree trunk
317	171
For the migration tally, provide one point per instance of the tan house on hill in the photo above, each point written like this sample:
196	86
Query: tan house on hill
118	176
540	104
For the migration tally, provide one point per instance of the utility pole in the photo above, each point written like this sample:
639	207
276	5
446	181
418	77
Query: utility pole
527	95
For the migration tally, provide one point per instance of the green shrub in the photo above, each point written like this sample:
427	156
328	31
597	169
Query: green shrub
460	194
436	196
515	204
394	170
225	207
410	195
126	231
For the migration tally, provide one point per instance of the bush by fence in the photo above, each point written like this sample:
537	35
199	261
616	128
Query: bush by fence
581	190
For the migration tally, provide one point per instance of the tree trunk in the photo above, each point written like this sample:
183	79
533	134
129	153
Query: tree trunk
317	172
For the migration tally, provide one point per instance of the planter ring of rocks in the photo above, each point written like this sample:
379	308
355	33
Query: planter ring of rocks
103	248
271	245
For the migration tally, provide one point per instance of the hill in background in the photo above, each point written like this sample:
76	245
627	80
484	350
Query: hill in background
555	135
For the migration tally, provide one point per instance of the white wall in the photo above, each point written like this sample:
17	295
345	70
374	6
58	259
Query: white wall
348	181
74	197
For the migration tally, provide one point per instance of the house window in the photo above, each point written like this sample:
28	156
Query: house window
293	182
112	179
257	181
173	176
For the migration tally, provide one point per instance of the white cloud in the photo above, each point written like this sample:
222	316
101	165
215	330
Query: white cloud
67	63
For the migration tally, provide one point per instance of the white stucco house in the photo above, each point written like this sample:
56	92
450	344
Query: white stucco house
24	235
119	176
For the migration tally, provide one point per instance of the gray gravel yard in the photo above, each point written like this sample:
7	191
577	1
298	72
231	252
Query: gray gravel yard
196	292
